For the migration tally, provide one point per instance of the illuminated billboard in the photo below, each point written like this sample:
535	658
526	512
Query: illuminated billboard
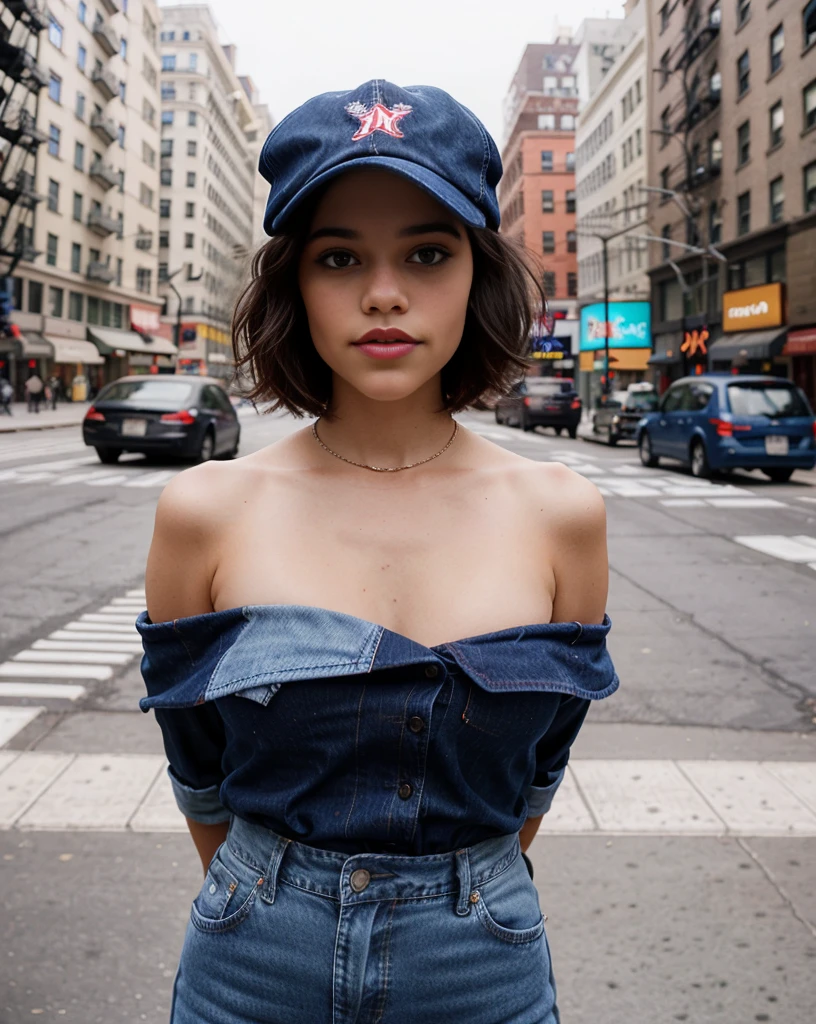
630	326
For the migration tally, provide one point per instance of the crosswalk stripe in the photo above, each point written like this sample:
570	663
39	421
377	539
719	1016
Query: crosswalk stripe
61	644
790	549
10	669
108	628
42	691
40	657
111	620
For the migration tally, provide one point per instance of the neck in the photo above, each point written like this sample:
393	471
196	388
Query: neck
386	433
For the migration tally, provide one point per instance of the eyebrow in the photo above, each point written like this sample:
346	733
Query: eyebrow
433	227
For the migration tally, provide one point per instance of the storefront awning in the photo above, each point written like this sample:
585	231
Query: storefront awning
107	339
33	346
72	350
801	343
750	345
664	359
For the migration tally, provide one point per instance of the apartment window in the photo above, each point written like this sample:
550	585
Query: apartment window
570	161
777	197
189	241
548	241
638	93
119	266
572	285
121	176
572	242
809	23
777	116
744	213
168	62
146	195
777	46
193	65
715	13
546	160
143	275
192	147
149	72
55	88
166	176
149	112
76	257
664	182
743	73
192	118
715	151
743	12
121	136
163	272
189	209
123	48
148	155
54	32
567	122
82	11
665	14
168	37
570	200
79	109
35	297
51	250
164	239
666	235
639	141
53	140
809	97
665	128
167	116
75	305
93	310
714	223
191	179
743	143
79	156
166	147
77	212
664	68
546	122
168	91
122	90
53	195
55	297
192	93
164	207
547	202
810	187
548	281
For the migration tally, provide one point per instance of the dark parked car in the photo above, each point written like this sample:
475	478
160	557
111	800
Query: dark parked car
722	422
190	417
617	419
541	402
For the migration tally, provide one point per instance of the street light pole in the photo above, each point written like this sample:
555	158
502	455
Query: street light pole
605	388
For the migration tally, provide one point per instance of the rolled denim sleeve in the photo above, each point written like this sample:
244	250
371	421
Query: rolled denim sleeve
552	754
194	743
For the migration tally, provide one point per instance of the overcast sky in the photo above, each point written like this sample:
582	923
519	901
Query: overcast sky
297	48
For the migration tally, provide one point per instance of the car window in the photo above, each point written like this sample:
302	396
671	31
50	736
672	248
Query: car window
172	393
673	399
209	399
552	386
696	397
221	400
640	401
761	399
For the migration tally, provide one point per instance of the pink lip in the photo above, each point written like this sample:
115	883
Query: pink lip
386	343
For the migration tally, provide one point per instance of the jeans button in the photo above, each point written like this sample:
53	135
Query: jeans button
405	791
431	671
416	724
359	879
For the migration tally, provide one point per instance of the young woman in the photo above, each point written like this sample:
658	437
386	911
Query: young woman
370	645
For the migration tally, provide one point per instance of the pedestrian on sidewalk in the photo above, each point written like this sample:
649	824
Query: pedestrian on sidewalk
34	391
54	387
360	783
6	395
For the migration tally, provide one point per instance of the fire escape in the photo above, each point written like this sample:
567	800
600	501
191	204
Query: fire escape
21	79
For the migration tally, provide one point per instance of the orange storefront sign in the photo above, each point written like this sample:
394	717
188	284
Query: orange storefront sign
695	342
750	309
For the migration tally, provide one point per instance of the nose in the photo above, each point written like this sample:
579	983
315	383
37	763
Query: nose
384	292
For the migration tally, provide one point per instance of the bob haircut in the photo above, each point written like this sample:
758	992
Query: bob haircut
272	343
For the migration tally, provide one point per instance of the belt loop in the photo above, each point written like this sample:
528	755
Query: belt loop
269	883
463	874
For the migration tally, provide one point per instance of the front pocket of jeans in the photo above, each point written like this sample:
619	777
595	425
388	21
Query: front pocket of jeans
513	935
507	905
225	898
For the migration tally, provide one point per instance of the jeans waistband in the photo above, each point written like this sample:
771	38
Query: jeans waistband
366	877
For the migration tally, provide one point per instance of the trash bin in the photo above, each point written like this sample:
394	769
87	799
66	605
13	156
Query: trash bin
79	388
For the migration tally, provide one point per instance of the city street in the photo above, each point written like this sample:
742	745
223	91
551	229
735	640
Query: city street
673	866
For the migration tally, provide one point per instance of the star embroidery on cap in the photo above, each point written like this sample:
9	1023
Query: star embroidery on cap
378	118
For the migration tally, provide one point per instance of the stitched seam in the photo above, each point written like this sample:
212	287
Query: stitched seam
380	1011
356	761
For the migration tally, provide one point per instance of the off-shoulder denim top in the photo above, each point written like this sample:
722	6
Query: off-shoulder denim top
339	733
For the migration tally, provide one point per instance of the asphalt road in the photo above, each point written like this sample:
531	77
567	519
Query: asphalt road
713	600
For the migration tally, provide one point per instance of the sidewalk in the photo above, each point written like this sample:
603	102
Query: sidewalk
66	414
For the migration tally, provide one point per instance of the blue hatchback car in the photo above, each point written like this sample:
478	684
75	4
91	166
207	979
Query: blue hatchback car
719	422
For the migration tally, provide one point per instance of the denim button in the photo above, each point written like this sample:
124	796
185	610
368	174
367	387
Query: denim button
405	791
213	887
359	879
416	724
432	671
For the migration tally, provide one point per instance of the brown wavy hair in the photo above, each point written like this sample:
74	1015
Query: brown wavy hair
273	346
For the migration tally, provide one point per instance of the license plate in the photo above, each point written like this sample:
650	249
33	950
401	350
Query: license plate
134	428
776	444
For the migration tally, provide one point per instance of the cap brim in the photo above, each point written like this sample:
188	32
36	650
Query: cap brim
437	187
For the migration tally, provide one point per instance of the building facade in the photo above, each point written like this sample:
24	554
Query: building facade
209	139
611	170
733	146
86	302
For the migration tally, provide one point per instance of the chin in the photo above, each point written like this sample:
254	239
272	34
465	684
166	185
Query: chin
387	386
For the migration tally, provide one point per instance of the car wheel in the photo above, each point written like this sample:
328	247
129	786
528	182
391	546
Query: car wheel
612	439
647	457
558	431
525	423
573	432
779	476
232	452
207	449
699	461
108	456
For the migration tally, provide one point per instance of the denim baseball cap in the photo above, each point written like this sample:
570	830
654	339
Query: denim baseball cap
420	133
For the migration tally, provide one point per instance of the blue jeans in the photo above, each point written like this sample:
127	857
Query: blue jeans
283	933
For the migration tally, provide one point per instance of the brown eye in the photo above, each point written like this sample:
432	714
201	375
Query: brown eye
429	257
337	260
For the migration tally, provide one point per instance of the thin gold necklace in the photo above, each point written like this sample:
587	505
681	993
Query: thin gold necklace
385	469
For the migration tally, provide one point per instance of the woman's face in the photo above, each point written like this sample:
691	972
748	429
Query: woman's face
385	277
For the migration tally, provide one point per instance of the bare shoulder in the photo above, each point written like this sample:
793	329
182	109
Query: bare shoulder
568	500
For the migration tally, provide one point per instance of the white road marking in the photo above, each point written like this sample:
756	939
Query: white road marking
789	549
39	657
12	669
72	644
135	593
108	628
745	501
683	503
111	620
12	720
41	691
